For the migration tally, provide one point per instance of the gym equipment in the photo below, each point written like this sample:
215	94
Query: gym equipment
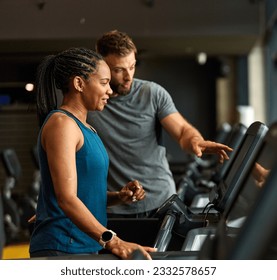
257	232
2	230
176	217
138	230
17	208
253	179
222	195
11	211
257	237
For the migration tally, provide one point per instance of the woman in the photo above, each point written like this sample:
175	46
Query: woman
71	210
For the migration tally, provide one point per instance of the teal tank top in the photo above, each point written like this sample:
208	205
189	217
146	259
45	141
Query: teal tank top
53	230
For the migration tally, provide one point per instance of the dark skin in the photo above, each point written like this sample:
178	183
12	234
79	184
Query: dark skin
133	191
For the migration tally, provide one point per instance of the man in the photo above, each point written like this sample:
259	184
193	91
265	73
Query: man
130	127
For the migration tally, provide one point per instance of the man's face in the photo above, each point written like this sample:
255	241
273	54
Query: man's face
122	72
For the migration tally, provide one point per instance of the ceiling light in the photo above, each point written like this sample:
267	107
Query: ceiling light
29	87
202	58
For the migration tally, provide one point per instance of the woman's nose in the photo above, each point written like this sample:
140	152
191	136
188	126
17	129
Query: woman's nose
109	91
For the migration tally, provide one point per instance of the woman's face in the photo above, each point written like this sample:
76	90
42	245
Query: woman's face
97	88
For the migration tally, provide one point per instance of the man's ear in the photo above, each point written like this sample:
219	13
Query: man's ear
78	83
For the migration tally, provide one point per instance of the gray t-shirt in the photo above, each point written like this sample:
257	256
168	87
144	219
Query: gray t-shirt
129	127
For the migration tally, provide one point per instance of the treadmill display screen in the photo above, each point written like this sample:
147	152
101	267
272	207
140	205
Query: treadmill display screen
251	187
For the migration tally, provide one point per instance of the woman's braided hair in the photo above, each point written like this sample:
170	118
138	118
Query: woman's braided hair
55	72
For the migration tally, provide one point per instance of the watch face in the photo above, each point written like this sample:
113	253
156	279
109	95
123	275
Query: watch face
107	236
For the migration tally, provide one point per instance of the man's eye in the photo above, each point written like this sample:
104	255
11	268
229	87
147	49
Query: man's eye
118	70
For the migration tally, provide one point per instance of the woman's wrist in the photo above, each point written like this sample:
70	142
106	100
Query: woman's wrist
118	196
113	243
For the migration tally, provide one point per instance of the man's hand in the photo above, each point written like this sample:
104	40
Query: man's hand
200	146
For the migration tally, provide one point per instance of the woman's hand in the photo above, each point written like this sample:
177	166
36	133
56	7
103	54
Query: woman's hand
124	249
132	192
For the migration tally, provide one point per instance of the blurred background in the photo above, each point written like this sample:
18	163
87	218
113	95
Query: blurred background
217	59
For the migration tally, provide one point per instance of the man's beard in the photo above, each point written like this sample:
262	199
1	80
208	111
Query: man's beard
118	90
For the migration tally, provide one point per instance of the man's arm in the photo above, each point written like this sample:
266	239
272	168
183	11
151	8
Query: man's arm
190	139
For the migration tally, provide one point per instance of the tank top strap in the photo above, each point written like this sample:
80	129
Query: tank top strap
69	114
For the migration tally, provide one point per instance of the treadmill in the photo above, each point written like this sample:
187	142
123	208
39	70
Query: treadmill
242	203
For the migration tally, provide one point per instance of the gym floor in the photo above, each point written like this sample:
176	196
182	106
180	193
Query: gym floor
16	251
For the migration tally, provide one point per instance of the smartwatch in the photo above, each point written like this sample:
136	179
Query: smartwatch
106	237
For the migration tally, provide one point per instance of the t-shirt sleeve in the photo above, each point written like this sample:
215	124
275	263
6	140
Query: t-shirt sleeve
164	102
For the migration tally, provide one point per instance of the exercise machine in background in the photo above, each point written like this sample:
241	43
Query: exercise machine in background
17	208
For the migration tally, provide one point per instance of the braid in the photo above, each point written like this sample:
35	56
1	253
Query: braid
45	88
55	72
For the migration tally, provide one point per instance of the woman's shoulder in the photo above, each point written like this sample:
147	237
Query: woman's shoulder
59	121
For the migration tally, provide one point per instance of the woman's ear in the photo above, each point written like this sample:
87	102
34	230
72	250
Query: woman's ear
78	83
